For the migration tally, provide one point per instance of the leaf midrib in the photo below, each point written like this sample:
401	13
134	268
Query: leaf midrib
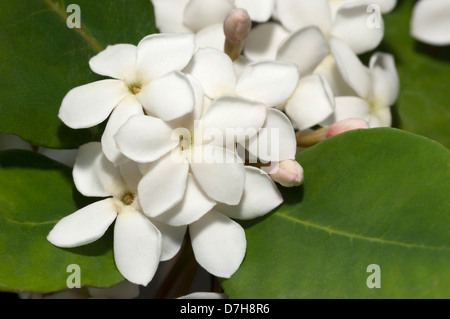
351	236
87	37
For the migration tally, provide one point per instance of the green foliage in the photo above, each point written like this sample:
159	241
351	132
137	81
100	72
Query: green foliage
423	106
377	196
36	193
41	59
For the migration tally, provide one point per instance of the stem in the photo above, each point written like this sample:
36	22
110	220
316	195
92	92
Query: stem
311	139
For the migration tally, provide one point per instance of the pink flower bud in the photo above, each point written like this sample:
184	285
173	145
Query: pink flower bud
346	125
288	173
237	25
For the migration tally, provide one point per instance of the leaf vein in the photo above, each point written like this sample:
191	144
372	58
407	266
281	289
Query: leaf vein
352	236
87	37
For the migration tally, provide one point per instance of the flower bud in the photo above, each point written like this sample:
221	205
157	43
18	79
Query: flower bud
346	125
236	27
288	173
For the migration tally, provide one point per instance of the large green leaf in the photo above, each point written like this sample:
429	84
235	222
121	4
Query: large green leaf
423	106
41	59
377	196
36	193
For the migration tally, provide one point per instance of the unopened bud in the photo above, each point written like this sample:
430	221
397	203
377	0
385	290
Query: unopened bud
236	27
288	173
346	125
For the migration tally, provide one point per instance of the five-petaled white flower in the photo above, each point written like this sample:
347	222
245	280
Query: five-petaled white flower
268	82
375	88
138	241
144	80
188	160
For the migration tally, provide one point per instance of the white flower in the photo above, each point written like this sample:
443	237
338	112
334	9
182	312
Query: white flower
195	15
268	82
218	242
138	246
376	87
145	78
205	18
189	171
303	38
308	25
430	22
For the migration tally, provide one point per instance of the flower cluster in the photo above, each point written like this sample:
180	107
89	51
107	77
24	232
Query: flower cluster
205	118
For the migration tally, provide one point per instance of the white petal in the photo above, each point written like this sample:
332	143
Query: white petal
199	97
218	243
386	83
94	175
90	104
361	29
145	138
169	97
219	172
194	205
276	139
348	107
354	73
295	14
263	41
159	54
261	195
163	186
430	22
137	246
131	175
128	107
172	239
233	118
329	69
116	61
211	37
214	70
240	63
259	11
311	103
169	15
386	5
199	14
84	226
306	47
270	82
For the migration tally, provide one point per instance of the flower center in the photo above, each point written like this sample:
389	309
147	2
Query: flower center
185	142
127	198
135	88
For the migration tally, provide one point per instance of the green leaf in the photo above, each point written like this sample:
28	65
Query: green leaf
423	103
41	59
377	196
36	193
